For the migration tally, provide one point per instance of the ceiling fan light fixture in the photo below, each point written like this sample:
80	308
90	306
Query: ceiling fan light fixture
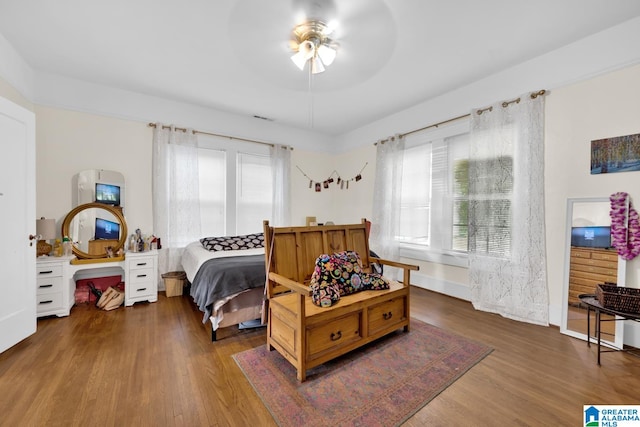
327	54
306	51
299	59
316	66
311	44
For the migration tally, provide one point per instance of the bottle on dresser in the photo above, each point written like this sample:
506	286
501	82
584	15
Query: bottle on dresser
66	246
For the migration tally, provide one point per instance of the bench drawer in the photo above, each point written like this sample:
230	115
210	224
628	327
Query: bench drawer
334	335
386	315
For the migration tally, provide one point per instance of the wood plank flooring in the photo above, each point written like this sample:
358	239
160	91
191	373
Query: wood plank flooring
154	365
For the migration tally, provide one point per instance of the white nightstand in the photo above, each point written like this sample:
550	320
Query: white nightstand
54	296
141	277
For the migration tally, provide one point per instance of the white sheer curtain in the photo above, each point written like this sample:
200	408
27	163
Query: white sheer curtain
176	199
385	221
507	267
281	171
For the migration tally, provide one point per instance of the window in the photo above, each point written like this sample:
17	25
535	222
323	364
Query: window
435	196
492	231
213	202
254	193
415	197
235	186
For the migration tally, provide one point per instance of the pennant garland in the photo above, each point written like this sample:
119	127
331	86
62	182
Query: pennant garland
339	181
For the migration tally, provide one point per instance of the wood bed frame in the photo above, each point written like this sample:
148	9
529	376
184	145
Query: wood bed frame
308	335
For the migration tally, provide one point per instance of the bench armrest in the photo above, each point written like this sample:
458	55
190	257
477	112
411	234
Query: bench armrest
394	263
290	284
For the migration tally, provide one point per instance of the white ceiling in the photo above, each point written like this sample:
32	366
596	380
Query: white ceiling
234	55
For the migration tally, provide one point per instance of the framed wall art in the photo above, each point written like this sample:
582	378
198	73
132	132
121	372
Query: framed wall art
617	154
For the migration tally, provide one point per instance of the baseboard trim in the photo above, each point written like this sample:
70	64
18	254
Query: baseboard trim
445	287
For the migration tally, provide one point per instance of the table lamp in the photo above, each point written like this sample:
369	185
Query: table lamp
45	229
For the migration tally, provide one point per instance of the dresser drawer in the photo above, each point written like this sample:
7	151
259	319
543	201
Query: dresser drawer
607	256
47	285
141	290
138	263
141	283
140	275
333	335
385	315
48	302
48	271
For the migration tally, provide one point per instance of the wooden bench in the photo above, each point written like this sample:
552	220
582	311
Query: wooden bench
308	335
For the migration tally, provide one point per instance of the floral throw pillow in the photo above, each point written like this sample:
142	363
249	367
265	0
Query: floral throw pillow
341	274
233	243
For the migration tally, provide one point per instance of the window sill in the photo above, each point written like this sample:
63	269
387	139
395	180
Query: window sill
455	259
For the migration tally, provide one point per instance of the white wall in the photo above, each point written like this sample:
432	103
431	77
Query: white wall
68	142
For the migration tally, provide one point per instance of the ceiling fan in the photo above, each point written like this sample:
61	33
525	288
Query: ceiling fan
311	43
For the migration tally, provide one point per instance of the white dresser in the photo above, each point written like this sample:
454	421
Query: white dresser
56	283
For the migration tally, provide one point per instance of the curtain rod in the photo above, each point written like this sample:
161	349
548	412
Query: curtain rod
221	136
505	104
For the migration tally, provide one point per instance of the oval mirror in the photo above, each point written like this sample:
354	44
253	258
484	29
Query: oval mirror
94	227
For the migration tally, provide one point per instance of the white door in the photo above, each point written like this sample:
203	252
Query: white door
17	222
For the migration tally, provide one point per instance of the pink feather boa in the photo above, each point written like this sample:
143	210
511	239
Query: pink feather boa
625	228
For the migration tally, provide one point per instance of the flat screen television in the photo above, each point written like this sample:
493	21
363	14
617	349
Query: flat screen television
108	194
107	230
591	237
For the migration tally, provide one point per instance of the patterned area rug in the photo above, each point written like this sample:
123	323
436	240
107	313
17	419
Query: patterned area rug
382	384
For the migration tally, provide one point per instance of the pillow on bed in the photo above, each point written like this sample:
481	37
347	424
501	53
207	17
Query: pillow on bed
233	243
341	274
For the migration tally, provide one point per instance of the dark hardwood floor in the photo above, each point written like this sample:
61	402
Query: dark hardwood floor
154	365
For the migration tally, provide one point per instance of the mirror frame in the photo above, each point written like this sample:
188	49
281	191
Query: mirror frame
115	212
622	274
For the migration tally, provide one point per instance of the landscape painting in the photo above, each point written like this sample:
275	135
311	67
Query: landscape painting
617	154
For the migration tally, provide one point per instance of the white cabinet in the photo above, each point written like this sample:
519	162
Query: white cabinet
54	295
56	280
141	277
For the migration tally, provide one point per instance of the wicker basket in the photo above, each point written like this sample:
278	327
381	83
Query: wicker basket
626	300
174	282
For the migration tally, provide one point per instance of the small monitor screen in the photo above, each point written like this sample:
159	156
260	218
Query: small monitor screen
108	194
591	237
107	229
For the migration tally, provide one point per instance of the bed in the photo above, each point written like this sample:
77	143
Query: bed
226	285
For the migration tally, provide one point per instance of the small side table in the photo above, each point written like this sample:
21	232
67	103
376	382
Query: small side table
592	303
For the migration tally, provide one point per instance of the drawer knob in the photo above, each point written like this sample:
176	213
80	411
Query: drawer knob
335	336
387	316
141	289
46	272
46	286
140	264
46	302
141	275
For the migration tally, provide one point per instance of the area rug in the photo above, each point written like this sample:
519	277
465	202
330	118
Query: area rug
381	384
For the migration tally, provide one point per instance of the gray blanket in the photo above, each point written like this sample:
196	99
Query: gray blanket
221	277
